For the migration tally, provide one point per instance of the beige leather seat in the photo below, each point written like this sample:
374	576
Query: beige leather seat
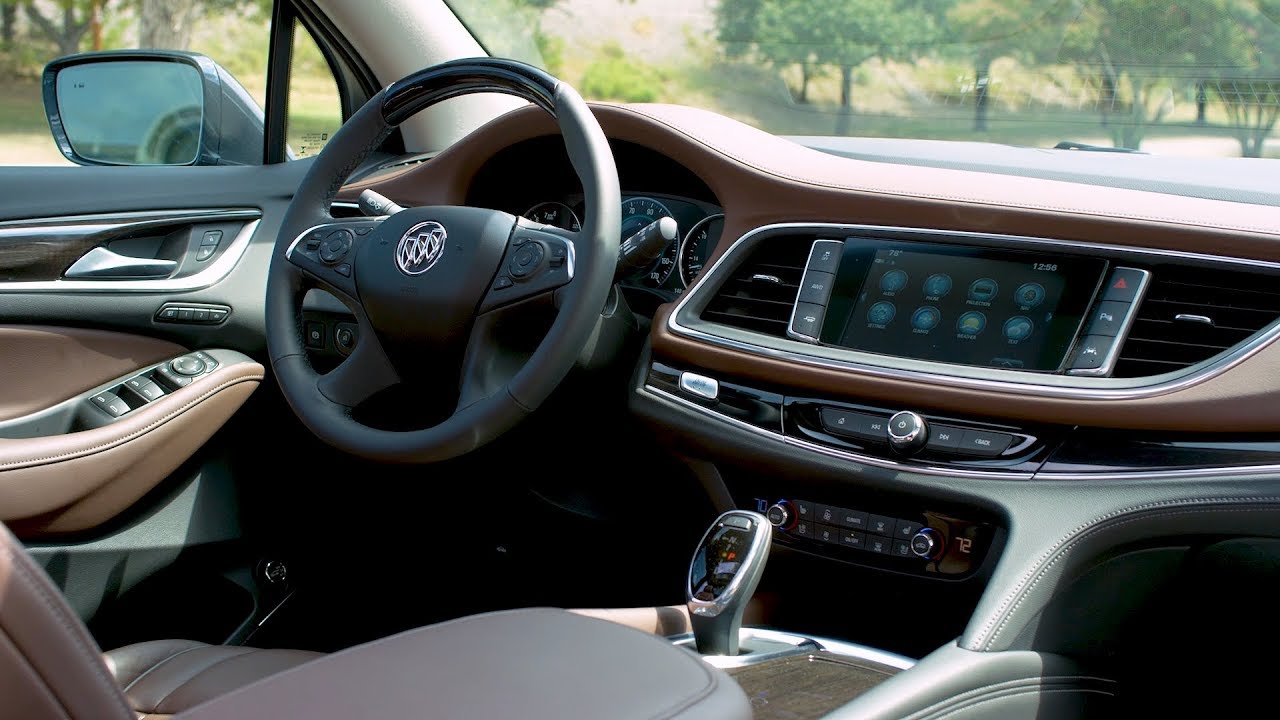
51	668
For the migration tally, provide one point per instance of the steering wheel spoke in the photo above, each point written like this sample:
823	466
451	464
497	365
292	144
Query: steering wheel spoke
364	373
326	253
536	262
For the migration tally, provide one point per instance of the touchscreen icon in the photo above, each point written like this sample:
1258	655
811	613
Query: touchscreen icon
937	286
983	290
881	313
925	318
893	281
1018	328
971	323
1029	295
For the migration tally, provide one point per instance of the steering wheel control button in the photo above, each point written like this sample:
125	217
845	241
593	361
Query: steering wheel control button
824	256
335	246
983	443
343	269
188	365
502	283
1091	354
559	254
907	432
927	543
699	386
313	241
526	260
944	438
313	335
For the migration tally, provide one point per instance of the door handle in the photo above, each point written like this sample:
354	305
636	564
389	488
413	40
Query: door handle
103	263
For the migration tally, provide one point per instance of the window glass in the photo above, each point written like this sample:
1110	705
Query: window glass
315	107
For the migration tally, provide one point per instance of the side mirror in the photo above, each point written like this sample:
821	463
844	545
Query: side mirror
150	107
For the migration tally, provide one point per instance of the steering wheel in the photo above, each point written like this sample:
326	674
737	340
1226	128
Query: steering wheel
428	285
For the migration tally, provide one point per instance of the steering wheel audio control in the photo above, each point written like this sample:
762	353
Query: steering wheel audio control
335	246
781	515
908	432
928	544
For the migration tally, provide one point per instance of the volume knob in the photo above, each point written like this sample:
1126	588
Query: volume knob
908	432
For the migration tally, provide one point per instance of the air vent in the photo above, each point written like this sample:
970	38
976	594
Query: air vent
1191	315
761	292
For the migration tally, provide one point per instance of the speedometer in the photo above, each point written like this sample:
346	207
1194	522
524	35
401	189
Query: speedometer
636	214
697	246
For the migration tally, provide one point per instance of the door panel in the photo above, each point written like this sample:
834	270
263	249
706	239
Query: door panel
52	364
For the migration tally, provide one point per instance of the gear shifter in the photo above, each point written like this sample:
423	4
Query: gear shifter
722	577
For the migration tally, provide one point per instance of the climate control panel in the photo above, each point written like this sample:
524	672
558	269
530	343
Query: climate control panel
926	542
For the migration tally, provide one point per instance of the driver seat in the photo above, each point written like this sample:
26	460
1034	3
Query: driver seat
50	667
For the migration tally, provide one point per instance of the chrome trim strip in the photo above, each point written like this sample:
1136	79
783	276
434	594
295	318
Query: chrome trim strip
1122	333
1084	392
799	644
842	454
685	241
88	224
1227	471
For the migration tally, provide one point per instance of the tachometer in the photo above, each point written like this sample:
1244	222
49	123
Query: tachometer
637	213
696	247
556	214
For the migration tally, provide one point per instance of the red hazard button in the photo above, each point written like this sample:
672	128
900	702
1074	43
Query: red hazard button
1123	285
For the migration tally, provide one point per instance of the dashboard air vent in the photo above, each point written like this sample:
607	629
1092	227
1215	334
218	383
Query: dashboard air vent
761	292
1192	314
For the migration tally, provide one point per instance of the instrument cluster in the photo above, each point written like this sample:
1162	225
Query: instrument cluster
699	226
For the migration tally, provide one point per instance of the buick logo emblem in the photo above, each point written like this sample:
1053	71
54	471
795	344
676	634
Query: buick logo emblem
421	247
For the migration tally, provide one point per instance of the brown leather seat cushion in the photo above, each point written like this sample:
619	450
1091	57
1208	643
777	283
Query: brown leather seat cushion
165	677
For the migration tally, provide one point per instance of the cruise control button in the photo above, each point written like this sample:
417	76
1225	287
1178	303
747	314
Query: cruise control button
1123	285
825	256
944	438
1108	317
816	288
1092	352
880	525
807	320
984	444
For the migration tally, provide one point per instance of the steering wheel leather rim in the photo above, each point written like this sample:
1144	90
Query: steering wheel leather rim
475	421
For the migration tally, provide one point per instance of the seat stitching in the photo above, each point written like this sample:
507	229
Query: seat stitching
1061	548
1013	693
96	668
118	441
197	676
156	665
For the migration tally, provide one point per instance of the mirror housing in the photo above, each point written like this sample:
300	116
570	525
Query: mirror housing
150	107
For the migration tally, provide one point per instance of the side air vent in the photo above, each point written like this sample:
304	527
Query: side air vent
761	292
1191	315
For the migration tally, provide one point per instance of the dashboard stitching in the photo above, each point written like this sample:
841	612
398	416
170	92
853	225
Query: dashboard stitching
15	464
1064	545
941	196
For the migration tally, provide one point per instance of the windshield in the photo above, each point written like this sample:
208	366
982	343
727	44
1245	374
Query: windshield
1192	77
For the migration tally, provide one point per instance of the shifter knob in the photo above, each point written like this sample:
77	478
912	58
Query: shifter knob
722	577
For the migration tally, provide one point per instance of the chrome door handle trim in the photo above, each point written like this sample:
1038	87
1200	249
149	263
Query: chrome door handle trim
100	262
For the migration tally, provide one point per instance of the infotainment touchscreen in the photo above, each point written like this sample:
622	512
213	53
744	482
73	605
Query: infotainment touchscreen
965	305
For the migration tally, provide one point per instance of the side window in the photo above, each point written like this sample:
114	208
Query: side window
164	123
315	107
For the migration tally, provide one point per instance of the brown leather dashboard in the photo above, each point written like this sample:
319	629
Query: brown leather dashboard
761	179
